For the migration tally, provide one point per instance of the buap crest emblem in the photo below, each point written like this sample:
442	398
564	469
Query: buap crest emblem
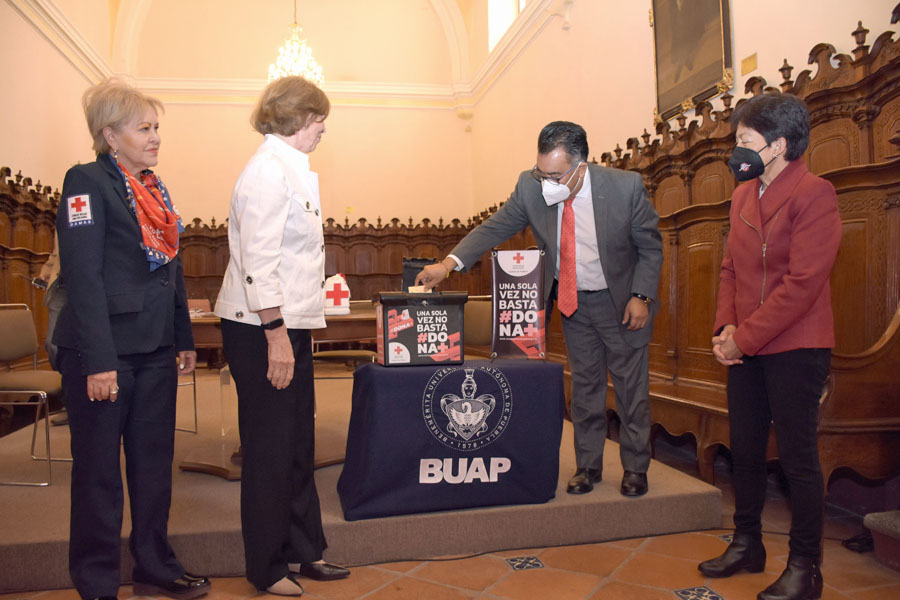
467	415
467	408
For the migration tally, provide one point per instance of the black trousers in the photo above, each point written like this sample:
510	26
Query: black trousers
280	517
783	389
143	420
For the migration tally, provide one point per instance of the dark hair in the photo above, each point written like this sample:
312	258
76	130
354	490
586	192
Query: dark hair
774	116
570	136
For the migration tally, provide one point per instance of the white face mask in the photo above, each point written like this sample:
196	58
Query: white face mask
554	192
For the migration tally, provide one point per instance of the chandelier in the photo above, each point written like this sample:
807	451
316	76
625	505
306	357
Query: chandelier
295	58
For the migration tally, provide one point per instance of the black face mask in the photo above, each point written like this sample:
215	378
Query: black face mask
747	164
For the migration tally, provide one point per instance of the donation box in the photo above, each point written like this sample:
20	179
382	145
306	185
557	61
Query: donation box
446	437
419	329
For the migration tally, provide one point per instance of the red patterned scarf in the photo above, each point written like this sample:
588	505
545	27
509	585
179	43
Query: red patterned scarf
159	221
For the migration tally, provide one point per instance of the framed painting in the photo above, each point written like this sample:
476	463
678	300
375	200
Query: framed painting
692	44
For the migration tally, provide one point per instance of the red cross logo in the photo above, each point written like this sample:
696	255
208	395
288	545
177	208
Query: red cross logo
77	203
337	294
398	350
531	330
442	348
518	258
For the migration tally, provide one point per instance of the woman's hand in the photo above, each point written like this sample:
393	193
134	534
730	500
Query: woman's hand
187	362
281	358
103	386
725	349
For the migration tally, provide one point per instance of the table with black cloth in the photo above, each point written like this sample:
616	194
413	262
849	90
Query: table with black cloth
428	438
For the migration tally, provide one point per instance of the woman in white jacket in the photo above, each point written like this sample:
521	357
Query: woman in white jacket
272	295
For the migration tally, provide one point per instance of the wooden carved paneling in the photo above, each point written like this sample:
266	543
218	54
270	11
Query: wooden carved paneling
671	195
850	275
833	145
698	276
663	350
712	184
886	126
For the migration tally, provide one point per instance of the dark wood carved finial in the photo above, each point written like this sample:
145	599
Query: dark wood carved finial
726	100
346	222
618	151
212	222
645	136
859	34
19	177
755	86
786	75
378	221
681	121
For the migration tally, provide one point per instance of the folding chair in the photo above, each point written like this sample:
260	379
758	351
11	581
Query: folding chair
19	340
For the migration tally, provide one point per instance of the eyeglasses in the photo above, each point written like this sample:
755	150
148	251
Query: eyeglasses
541	176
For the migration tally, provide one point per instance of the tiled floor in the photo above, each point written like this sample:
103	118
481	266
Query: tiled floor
651	568
637	569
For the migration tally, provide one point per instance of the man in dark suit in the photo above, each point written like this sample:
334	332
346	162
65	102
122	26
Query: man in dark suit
601	232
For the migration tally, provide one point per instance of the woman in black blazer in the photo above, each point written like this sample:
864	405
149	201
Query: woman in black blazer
123	335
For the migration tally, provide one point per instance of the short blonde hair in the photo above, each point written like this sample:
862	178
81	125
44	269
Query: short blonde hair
113	103
287	104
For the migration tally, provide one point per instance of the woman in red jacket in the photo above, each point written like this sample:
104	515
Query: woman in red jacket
774	329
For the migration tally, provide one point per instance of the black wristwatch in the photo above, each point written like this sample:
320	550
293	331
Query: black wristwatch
643	298
273	324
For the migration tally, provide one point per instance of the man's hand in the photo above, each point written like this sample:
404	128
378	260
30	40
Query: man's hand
187	361
725	349
432	275
636	314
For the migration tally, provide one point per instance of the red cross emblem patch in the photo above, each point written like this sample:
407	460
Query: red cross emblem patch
79	210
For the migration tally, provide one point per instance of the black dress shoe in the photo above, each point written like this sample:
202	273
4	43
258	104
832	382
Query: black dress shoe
634	484
801	580
192	577
583	480
745	553
182	588
323	571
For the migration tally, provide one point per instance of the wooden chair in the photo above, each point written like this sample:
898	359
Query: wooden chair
19	341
